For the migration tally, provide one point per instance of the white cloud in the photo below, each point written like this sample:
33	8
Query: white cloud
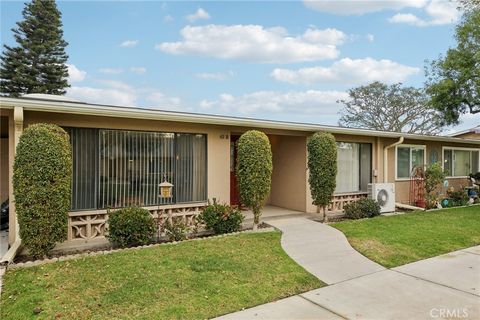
110	96
326	36
111	70
348	71
119	93
168	18
200	14
129	43
161	101
370	37
138	70
221	76
75	74
311	102
256	43
357	7
439	12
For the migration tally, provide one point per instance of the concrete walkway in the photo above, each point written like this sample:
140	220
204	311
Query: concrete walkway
443	287
322	250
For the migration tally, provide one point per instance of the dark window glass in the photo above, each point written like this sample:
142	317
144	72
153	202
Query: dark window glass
84	144
119	168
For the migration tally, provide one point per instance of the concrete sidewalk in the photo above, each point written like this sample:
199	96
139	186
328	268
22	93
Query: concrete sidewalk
443	287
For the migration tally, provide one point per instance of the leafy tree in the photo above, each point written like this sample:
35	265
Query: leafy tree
389	108
453	81
42	174
469	5
322	166
254	171
37	63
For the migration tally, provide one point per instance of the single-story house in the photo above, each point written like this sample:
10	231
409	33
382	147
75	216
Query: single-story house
121	154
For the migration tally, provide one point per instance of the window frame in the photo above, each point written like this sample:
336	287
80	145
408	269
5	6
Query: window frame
411	146
453	149
359	167
175	134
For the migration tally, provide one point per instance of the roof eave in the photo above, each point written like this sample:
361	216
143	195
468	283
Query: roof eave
80	108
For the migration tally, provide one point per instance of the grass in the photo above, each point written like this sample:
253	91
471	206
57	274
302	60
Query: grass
190	280
397	240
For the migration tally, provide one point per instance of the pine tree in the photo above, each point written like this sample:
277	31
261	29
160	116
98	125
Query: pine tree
38	63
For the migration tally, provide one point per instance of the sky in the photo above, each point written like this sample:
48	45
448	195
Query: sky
278	60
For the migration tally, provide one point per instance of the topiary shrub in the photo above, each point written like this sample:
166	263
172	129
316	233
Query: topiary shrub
254	171
176	230
42	176
130	226
221	218
363	208
434	177
322	166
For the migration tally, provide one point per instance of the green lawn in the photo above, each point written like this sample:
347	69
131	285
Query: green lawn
190	280
397	240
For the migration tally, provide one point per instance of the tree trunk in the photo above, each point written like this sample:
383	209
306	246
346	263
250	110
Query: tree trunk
321	209
325	217
256	218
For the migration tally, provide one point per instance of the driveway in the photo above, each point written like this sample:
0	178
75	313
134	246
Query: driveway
443	287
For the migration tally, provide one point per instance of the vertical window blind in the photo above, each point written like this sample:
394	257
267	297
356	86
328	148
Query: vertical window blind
119	168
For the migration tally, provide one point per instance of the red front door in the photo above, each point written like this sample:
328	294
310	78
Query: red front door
234	198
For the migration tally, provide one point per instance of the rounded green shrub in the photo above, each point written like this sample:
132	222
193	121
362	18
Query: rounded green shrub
42	175
363	208
130	226
322	166
176	230
221	218
254	171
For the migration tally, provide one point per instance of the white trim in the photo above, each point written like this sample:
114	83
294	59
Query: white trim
453	149
411	146
81	108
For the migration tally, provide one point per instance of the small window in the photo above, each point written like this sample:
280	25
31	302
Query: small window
460	162
408	158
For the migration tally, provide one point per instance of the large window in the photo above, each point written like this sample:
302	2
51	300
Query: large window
459	162
408	158
118	168
354	163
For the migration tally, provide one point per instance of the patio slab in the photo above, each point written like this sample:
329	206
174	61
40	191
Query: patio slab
459	270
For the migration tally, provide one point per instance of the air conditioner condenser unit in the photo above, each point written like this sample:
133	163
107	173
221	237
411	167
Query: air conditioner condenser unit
384	194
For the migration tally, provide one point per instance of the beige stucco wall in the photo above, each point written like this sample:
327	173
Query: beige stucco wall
402	187
218	141
290	188
289	172
3	169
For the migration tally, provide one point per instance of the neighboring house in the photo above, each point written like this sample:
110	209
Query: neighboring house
472	133
121	154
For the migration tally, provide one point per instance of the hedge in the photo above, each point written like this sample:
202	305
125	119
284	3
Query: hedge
42	187
254	171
